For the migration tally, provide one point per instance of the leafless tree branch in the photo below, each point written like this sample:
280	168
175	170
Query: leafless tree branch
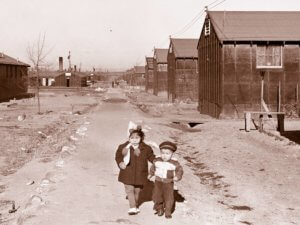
37	56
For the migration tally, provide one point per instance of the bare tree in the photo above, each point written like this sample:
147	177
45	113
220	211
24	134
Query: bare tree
37	55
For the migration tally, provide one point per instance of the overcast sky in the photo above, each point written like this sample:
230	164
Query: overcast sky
108	34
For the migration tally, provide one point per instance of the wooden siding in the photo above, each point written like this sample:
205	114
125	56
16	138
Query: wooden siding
74	81
210	75
13	81
171	76
149	80
137	79
160	81
242	80
149	74
182	78
230	83
186	79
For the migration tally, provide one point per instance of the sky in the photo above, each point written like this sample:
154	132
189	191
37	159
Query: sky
109	34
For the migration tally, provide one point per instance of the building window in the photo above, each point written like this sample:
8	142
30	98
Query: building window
269	56
162	67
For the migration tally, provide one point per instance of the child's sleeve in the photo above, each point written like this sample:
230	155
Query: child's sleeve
178	171
150	155
152	170
119	156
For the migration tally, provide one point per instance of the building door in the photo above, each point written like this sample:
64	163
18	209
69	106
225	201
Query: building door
68	82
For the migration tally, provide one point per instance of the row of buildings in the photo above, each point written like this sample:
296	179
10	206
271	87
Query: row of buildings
16	77
240	59
71	77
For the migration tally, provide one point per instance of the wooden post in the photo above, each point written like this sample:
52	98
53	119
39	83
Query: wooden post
261	123
262	73
280	118
297	93
279	97
297	99
247	121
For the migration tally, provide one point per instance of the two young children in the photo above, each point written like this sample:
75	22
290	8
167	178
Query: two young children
132	158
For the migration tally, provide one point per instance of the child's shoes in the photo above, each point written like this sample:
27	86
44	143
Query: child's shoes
132	211
168	216
160	212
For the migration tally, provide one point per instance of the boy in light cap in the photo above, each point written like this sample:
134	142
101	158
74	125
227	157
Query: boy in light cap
166	170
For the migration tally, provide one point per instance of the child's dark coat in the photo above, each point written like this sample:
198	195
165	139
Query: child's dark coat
136	171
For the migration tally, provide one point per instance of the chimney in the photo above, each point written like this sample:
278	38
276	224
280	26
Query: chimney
75	68
60	63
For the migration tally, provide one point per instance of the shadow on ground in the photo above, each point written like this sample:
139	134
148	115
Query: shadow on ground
146	195
292	135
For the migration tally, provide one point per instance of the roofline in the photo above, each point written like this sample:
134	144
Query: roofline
155	49
160	49
183	38
16	64
260	41
175	49
186	57
254	11
221	40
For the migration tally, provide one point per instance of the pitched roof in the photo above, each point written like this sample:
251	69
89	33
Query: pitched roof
112	73
256	25
80	74
149	62
46	74
139	69
184	48
5	59
161	55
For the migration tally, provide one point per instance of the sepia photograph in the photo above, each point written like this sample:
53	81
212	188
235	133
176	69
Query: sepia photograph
149	112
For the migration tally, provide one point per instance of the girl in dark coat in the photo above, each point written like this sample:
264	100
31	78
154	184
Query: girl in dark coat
132	158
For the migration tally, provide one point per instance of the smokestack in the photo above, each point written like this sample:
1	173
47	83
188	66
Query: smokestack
75	68
60	63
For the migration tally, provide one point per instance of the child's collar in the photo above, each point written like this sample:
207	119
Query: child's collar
172	158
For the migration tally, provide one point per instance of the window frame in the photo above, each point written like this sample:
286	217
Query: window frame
266	66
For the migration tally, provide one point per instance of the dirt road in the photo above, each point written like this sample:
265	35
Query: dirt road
83	188
230	177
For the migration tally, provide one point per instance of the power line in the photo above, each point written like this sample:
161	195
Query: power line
212	3
189	24
217	4
195	19
192	22
221	30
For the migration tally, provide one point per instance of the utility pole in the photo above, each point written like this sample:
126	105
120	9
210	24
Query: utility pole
69	58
